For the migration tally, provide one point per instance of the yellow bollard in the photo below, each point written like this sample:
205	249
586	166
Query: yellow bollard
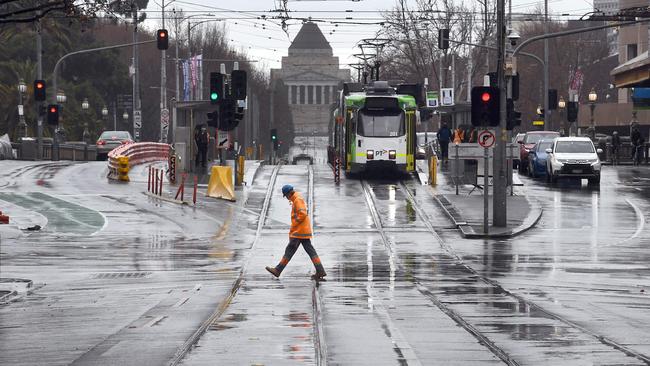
433	171
123	169
240	170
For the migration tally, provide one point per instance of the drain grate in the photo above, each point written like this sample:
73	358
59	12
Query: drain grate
116	275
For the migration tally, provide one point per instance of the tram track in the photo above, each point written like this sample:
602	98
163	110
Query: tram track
237	284
457	317
317	319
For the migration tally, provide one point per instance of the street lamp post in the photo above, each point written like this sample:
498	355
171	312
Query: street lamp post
592	105
22	126
104	115
60	99
84	106
561	104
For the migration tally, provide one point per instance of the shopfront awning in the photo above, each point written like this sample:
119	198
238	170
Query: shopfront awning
634	73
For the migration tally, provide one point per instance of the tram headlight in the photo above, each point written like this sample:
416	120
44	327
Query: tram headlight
392	154
370	154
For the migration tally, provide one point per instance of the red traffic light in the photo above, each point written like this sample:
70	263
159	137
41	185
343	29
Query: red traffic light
162	34
52	109
486	97
39	85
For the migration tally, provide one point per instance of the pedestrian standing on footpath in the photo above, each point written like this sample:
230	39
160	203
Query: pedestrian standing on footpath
444	136
300	233
202	138
459	135
616	144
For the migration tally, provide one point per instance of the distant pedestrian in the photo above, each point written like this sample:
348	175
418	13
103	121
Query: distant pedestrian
202	138
616	144
444	137
470	135
634	138
459	135
300	233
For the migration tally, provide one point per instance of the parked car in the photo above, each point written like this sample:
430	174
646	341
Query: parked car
527	144
537	158
573	157
109	140
517	139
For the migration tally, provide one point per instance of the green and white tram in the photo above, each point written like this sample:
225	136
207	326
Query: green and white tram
373	128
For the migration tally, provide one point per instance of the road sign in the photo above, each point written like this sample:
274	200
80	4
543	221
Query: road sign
486	138
447	96
137	119
432	99
164	116
223	140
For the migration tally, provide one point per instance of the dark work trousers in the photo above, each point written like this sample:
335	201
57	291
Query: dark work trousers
444	149
201	154
293	245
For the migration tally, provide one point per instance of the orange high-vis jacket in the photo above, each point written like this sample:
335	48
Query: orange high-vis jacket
300	224
459	135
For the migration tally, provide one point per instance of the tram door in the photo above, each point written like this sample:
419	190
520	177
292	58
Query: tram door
350	147
410	141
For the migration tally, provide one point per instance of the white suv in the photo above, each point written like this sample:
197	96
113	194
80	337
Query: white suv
573	157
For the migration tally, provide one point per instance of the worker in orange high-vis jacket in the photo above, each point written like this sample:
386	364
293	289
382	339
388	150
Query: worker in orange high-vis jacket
300	233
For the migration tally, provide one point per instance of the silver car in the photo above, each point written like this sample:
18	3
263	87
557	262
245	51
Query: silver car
109	140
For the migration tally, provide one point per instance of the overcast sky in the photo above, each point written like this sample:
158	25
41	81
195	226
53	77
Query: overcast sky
264	40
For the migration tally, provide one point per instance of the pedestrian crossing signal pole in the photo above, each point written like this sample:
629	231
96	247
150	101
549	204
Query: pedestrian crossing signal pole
499	182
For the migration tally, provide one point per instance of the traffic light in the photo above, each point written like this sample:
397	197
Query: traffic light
163	39
39	90
572	111
485	106
443	38
274	138
213	119
238	84
239	113
227	110
514	86
53	114
216	87
513	117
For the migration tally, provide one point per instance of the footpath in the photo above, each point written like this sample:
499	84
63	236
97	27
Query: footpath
465	209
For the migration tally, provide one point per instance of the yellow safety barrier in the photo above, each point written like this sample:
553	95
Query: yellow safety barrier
240	170
220	185
433	170
123	168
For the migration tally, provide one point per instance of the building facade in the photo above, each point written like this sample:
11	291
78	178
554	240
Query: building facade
313	78
609	7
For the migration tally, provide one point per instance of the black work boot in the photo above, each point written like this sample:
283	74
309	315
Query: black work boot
318	276
273	271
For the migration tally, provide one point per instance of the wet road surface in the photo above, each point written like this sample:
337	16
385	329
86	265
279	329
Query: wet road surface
131	280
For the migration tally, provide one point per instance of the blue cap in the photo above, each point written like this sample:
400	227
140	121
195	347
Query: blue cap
286	189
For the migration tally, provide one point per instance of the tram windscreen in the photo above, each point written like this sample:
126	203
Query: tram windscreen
381	123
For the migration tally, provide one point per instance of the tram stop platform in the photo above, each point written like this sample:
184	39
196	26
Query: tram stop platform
466	211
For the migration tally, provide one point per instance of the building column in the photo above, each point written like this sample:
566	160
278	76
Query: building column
322	92
289	87
299	94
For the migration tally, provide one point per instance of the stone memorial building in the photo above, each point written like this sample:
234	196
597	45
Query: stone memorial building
313	78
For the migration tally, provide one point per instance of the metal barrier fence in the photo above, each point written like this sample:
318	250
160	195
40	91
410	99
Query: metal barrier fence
624	153
75	151
138	153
